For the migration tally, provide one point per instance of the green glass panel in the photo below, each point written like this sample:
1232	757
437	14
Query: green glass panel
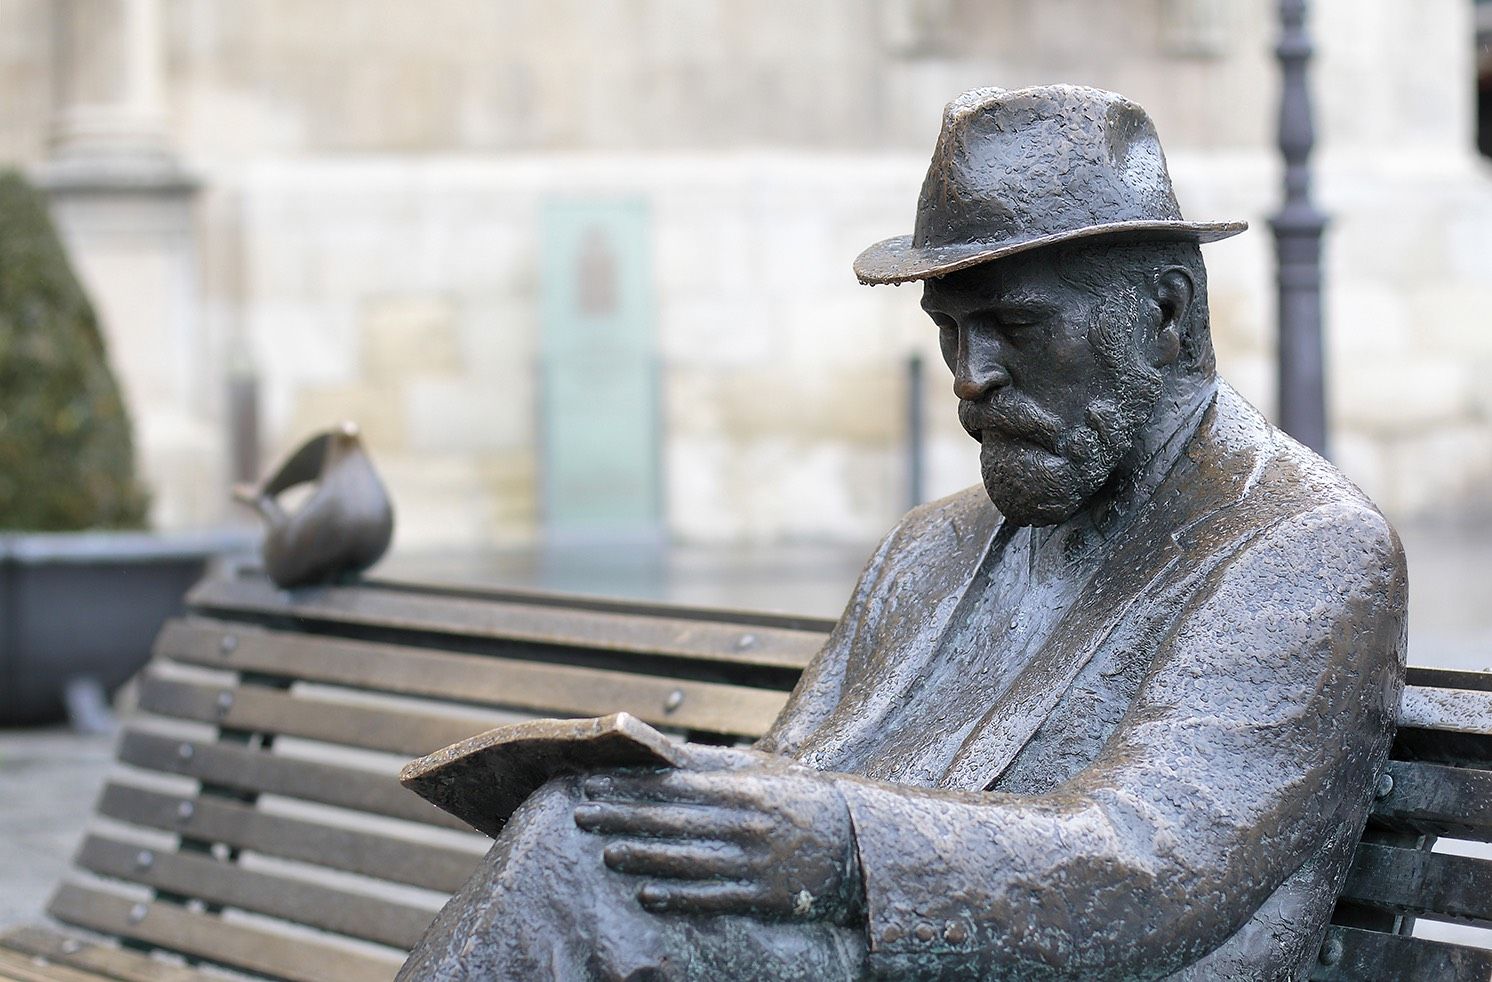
599	412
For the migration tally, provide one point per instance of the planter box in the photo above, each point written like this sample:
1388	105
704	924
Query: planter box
89	604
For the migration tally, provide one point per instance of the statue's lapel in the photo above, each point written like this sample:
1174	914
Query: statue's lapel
1146	553
1213	474
919	595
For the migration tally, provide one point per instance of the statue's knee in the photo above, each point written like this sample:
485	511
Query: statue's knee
542	838
550	811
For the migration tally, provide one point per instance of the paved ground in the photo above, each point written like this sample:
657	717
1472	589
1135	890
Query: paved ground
48	778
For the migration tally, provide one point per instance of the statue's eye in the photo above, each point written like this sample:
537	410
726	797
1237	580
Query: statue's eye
1020	325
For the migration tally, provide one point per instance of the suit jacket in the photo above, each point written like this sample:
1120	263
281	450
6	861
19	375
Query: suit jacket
1173	785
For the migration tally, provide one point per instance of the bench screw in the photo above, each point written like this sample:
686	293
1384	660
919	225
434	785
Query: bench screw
674	701
185	751
225	701
1384	787
138	912
229	644
746	641
185	811
1331	952
144	859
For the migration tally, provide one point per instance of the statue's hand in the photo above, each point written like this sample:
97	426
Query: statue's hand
771	842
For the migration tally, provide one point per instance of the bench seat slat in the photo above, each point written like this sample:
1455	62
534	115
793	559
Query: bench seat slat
1413	881
242	826
244	769
106	962
1433	799
201	877
1376	955
245	946
535	624
261	709
562	690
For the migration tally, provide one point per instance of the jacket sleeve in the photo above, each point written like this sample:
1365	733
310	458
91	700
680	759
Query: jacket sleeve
1258	730
820	686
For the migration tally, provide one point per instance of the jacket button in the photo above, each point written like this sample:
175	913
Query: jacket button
925	932
954	932
891	935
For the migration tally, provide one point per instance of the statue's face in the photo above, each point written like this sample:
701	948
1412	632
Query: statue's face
1051	376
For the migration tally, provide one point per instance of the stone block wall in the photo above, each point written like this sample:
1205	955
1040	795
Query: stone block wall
373	174
1411	334
403	294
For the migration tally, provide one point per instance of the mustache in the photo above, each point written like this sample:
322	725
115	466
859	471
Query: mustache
1014	418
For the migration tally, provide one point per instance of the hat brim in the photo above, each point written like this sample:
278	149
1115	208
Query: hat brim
896	260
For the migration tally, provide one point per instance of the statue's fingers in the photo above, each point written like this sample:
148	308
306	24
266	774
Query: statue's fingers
693	787
702	898
678	860
657	820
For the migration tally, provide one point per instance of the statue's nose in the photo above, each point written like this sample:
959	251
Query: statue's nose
979	371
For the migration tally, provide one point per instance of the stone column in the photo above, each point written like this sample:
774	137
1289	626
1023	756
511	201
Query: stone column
109	85
126	208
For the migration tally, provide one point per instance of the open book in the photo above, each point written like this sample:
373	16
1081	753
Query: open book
483	779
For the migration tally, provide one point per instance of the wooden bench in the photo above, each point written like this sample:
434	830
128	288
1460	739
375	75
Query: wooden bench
254	822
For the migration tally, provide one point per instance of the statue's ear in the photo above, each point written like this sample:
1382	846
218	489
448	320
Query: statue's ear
1174	289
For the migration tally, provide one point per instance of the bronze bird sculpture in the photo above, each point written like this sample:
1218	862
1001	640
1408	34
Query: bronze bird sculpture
343	526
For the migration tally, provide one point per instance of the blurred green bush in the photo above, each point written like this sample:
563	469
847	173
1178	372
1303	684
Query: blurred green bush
66	452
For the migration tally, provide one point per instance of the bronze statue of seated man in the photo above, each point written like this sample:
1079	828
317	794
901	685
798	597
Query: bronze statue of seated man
1116	714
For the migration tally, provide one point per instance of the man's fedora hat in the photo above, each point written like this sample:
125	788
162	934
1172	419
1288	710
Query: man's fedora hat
1024	168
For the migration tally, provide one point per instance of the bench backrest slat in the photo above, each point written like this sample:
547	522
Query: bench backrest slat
255	771
1447	725
443	616
119	964
1433	799
214	939
18	967
207	879
553	689
375	854
1451	710
1375	955
263	709
1416	881
1449	678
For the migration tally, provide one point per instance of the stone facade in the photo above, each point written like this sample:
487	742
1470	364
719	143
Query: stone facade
371	176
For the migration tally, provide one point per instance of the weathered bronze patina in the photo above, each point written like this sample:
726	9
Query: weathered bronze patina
1125	726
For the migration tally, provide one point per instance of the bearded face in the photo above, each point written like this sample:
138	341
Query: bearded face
1052	382
1040	468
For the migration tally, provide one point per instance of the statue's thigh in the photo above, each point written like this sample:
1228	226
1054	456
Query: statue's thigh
543	905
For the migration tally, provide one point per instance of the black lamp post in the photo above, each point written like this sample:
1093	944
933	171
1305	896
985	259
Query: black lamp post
1297	233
